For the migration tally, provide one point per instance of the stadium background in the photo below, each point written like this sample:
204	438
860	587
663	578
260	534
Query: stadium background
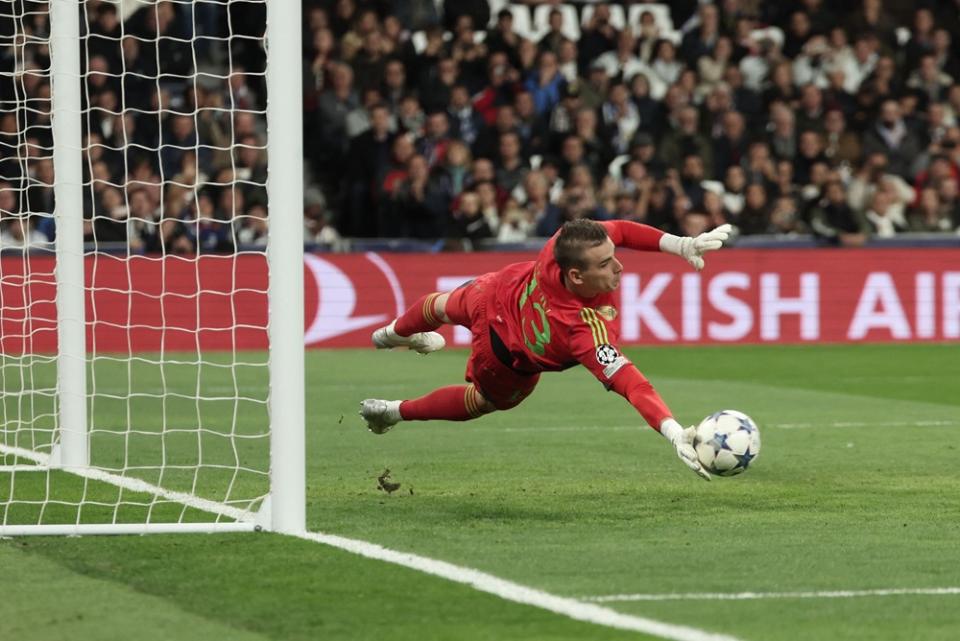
476	126
846	527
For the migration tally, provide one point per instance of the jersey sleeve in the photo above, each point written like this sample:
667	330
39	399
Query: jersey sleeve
625	233
591	345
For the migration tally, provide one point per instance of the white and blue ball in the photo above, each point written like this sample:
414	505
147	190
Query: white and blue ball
727	442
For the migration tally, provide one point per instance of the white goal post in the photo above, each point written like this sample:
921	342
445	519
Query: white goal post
124	407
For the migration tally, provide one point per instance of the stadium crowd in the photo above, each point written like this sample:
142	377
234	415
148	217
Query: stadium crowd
476	119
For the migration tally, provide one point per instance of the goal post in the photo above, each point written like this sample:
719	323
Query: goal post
73	449
285	252
146	388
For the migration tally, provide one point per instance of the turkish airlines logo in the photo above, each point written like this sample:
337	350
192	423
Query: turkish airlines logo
337	299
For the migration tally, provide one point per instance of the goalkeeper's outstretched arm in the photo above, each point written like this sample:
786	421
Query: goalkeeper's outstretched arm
624	233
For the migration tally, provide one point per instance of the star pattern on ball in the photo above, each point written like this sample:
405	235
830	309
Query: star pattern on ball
719	441
743	460
747	426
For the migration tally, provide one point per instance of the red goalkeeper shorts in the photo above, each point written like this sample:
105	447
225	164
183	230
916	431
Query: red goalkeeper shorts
500	384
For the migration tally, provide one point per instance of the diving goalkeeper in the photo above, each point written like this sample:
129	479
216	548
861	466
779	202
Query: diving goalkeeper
541	316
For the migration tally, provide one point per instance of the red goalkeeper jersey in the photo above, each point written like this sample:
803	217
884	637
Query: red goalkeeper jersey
546	327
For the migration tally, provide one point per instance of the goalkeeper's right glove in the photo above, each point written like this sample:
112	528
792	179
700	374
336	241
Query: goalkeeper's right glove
692	249
682	441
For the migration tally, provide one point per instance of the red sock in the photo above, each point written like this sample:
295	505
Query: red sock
421	317
453	403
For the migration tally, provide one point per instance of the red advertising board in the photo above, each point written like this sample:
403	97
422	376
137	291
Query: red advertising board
743	296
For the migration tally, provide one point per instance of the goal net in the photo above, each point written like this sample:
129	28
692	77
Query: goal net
151	336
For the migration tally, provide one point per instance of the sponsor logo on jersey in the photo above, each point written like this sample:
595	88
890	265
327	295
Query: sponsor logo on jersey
607	312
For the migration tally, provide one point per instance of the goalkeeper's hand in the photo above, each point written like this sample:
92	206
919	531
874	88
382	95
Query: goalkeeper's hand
682	441
692	249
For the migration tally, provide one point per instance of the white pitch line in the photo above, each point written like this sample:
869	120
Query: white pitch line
134	485
481	581
510	591
931	423
784	426
748	596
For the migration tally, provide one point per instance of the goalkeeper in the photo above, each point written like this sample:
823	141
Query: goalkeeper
541	316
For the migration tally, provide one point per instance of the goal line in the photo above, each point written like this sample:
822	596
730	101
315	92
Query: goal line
241	520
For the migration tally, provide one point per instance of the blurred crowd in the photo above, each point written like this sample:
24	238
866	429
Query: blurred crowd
173	127
475	119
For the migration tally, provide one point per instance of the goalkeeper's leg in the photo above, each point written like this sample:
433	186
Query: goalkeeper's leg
414	329
453	403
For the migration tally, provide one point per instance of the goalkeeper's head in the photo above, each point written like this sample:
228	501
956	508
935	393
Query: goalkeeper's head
586	257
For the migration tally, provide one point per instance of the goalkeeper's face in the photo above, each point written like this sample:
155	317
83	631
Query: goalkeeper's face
602	274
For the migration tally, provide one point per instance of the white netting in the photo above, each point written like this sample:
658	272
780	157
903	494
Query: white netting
174	207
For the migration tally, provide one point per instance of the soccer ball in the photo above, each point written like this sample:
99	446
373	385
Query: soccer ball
727	442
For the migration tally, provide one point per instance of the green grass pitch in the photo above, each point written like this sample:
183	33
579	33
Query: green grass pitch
856	488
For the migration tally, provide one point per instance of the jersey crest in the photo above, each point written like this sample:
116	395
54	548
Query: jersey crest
607	312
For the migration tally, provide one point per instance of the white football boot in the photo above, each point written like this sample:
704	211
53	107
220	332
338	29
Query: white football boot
421	342
380	415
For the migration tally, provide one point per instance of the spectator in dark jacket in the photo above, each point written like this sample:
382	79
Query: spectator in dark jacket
890	135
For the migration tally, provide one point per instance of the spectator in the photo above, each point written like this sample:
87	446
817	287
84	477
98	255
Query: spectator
598	36
648	35
533	128
516	224
501	86
809	151
622	63
841	147
465	49
465	122
730	147
394	83
333	106
858	64
701	41
416	15
366	166
487	144
511	167
552	39
686	140
714	209
536	198
928	215
782	88
567	60
833	219
502	38
467	220
783	131
546	83
694	222
929	80
410	115
665	64
785	218
432	145
420	202
734	186
17	232
884	221
711	67
621	117
754	218
890	136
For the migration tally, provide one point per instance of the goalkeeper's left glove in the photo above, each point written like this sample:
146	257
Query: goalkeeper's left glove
682	441
693	248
